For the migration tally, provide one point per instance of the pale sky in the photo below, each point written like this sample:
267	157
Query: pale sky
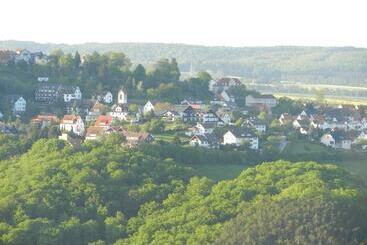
215	22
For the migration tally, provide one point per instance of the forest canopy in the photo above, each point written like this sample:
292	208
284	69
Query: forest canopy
106	194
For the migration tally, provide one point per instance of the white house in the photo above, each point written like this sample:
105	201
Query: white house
148	107
19	105
105	97
24	55
227	96
204	140
225	116
337	140
256	124
239	136
71	93
209	116
122	97
223	84
72	123
205	128
119	112
267	100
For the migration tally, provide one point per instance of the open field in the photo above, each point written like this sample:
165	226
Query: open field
169	137
329	99
218	172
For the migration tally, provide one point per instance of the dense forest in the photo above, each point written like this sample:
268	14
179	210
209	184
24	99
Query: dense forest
344	65
103	193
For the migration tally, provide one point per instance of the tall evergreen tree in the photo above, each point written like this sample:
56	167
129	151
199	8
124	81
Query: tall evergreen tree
175	71
139	73
77	60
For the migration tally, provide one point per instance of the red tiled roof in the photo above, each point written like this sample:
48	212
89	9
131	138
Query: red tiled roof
41	118
69	119
103	120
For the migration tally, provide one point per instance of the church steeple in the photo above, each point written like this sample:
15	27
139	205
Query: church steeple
122	96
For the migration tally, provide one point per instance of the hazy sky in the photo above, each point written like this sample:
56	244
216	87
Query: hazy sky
224	22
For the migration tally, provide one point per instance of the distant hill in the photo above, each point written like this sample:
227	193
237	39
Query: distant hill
327	65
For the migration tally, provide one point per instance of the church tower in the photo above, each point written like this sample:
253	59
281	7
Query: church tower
122	96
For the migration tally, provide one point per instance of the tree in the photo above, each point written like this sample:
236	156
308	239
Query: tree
263	116
175	71
204	76
139	73
77	60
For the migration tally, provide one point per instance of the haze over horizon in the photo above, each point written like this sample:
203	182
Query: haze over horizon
208	23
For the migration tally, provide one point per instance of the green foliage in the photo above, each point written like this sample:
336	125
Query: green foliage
300	221
139	73
13	145
56	195
105	194
302	64
286	105
196	214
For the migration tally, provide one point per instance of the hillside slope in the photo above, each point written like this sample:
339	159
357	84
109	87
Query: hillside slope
343	65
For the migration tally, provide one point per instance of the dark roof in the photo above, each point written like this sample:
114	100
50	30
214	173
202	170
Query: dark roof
68	89
12	98
210	138
227	80
84	103
209	124
242	132
339	135
263	96
255	121
48	86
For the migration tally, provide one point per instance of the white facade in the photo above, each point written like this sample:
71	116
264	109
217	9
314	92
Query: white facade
148	107
227	97
226	118
268	101
261	128
119	113
122	97
76	95
230	139
197	141
328	140
201	129
108	98
20	105
209	117
73	124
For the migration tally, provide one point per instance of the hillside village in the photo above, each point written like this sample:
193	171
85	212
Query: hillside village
221	122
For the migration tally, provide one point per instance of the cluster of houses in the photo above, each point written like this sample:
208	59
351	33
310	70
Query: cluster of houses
49	93
207	125
97	113
340	126
22	55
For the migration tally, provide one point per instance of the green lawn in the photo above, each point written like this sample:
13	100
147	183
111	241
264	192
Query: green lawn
356	167
304	146
169	137
218	172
